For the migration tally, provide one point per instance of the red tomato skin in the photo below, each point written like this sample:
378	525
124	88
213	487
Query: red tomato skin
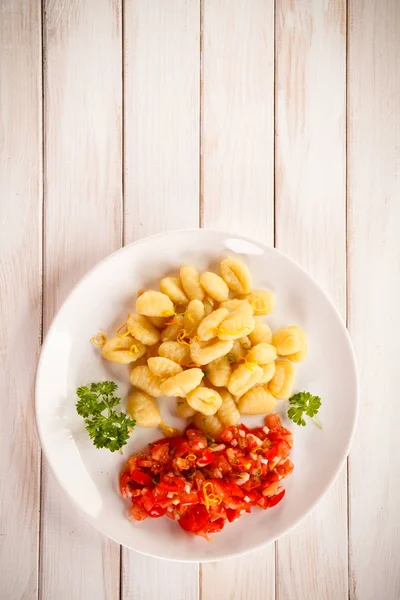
195	518
276	499
157	511
141	478
205	459
273	421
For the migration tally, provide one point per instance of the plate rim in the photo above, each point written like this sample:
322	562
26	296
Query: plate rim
343	456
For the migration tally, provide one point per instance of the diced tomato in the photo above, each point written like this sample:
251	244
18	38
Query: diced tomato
189	482
275	499
190	498
285	469
214	526
157	511
205	459
197	440
160	450
195	518
230	433
138	513
273	421
141	478
171	483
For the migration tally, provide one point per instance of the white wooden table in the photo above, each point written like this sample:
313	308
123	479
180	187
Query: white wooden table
281	121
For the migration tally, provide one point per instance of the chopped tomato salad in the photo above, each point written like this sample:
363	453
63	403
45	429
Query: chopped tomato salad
201	483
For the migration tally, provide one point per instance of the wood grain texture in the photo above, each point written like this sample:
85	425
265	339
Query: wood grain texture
20	285
311	228
162	131
374	298
238	184
83	208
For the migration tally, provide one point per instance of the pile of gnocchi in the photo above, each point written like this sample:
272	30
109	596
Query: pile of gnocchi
201	340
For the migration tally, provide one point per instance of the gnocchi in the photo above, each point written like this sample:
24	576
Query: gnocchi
261	334
215	286
256	401
183	409
154	304
142	378
190	279
219	371
236	275
210	425
172	287
288	341
182	383
204	400
243	378
228	413
262	301
281	384
123	350
208	327
193	316
200	339
163	367
142	330
143	409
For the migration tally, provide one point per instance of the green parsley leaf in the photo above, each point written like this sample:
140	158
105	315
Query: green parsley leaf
106	427
301	403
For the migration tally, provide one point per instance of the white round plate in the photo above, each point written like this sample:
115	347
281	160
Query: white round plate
101	301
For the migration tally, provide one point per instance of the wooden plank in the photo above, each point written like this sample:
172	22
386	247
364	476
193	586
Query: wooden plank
162	116
238	184
83	207
374	293
311	228
20	285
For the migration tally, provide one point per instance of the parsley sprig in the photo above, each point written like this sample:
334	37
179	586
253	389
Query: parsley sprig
301	403
106	427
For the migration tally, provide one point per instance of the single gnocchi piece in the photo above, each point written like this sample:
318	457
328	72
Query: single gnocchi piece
123	350
261	334
182	383
281	384
289	340
211	425
154	304
193	316
214	285
142	378
143	409
219	371
208	328
301	354
243	378
261	354
268	372
203	353
163	367
183	410
257	401
175	351
237	325
228	412
190	280
204	400
262	302
236	275
142	330
172	287
172	330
